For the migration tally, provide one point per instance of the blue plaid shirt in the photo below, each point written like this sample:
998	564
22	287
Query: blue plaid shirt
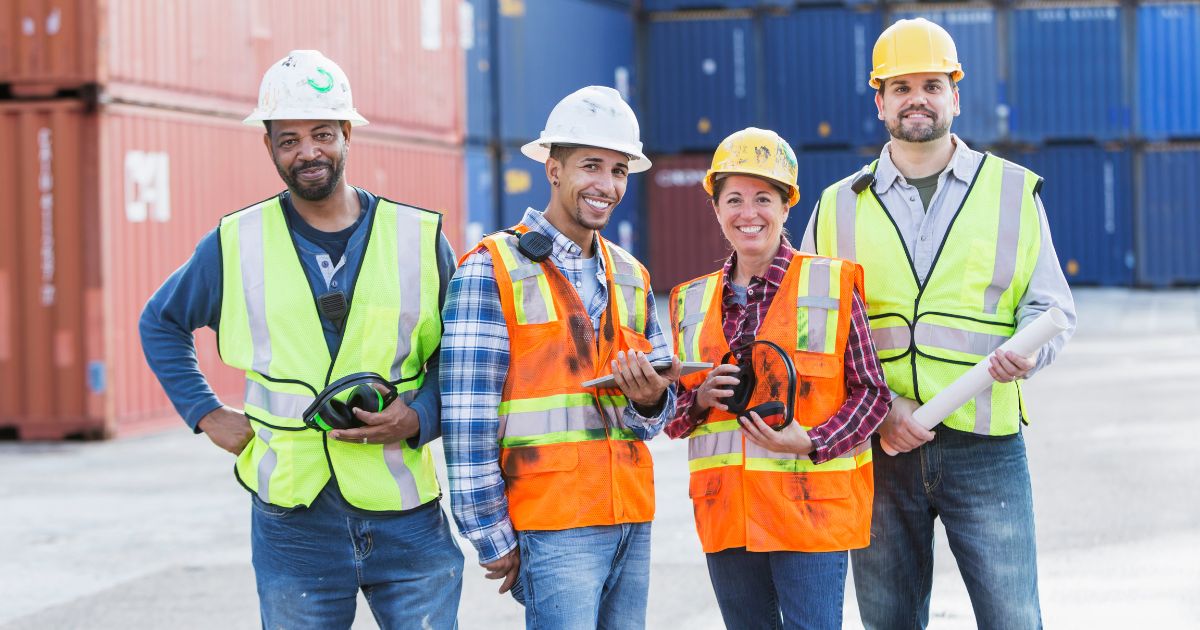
475	351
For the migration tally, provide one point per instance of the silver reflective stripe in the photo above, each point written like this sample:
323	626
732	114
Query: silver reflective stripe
254	290
630	295
693	309
278	404
691	320
983	412
532	302
893	338
715	444
393	455
557	420
266	466
628	279
957	340
818	284
408	272
847	201
1012	187
525	271
758	452
813	301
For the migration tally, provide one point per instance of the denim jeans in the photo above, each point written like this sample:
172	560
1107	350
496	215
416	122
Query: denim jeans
779	589
980	489
586	577
310	563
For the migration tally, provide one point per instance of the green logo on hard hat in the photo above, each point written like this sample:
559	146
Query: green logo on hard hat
328	82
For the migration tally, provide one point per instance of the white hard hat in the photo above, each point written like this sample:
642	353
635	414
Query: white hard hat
594	116
305	85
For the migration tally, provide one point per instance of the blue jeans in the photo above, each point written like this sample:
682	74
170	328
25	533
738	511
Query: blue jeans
310	563
980	489
586	577
779	589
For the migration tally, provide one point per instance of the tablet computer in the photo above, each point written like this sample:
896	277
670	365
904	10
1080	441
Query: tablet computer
688	368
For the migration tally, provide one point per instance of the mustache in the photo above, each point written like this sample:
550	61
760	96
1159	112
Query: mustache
917	109
313	164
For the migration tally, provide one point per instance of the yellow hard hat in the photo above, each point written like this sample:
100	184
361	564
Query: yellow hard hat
756	152
911	46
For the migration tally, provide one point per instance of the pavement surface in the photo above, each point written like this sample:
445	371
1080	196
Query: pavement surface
153	532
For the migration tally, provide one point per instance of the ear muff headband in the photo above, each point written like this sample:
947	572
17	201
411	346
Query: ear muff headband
747	380
327	412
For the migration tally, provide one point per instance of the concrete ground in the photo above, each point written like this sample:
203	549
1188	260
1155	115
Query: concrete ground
152	531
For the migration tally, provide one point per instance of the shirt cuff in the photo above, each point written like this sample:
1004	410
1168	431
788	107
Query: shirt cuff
431	428
496	542
199	410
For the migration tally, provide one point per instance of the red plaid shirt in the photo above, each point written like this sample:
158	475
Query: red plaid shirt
867	395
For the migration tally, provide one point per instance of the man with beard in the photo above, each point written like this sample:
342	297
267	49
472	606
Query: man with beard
306	290
957	257
549	478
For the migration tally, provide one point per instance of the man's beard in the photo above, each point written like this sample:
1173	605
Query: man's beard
919	133
313	192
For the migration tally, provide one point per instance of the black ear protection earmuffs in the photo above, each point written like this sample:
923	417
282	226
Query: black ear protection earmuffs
776	414
331	411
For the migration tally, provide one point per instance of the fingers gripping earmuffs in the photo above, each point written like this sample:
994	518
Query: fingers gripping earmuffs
776	414
334	406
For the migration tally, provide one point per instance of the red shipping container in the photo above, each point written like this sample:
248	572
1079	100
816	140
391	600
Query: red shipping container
101	208
403	58
685	239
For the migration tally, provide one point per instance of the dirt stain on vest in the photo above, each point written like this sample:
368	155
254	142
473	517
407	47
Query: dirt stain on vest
517	461
581	338
805	388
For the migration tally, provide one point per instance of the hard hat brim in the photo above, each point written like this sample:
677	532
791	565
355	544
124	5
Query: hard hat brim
710	180
539	150
257	117
956	74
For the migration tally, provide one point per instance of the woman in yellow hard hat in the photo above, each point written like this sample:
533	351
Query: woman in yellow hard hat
778	445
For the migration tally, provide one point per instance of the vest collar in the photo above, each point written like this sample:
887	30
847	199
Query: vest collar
564	248
963	164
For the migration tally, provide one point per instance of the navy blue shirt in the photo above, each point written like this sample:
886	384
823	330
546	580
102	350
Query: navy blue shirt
191	299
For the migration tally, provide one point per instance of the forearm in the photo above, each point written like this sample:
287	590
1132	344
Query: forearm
686	417
647	426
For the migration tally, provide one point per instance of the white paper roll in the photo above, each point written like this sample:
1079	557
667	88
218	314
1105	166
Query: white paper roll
1025	342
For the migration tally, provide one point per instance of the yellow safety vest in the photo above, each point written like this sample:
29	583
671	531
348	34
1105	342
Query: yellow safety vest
270	328
929	334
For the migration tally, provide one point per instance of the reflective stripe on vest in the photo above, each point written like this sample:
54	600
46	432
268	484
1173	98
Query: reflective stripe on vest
692	301
817	304
270	329
967	305
721	444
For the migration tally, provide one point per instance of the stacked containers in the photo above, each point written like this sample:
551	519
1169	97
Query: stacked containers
1168	223
108	195
1168	70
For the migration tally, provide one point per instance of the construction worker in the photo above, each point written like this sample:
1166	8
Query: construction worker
322	281
776	510
550	479
958	256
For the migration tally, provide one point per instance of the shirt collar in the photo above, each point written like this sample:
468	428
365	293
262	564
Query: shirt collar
962	166
775	273
564	248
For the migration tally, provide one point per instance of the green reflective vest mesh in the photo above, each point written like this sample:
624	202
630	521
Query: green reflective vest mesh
927	335
270	328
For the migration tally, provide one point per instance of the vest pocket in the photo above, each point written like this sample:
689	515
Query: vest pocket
704	484
815	486
817	364
531	460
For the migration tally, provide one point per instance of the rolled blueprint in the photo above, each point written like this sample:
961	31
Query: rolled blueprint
1025	342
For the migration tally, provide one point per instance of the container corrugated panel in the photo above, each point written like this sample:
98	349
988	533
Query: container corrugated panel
976	36
540	59
1068	77
211	55
523	185
680	5
1168	223
685	240
480	180
817	170
1088	196
821	99
1168	70
701	79
476	36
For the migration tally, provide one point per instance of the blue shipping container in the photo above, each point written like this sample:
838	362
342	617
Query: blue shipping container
676	5
1088	196
816	63
524	185
701	80
477	17
483	216
817	170
1068	76
1168	219
977	38
541	58
1168	70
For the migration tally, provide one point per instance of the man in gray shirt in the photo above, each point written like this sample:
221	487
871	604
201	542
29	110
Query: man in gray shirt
958	257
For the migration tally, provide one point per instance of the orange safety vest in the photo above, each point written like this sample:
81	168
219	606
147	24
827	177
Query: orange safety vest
567	459
745	495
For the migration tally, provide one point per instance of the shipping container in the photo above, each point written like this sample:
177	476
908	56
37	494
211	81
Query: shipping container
817	171
482	212
403	58
523	185
103	206
1068	75
1168	70
984	118
701	79
683	5
478	18
821	99
1168	220
542	57
685	240
1088	196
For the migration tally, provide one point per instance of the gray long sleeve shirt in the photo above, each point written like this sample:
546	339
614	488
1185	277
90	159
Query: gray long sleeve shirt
923	232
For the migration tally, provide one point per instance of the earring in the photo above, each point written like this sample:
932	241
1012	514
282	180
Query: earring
555	182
